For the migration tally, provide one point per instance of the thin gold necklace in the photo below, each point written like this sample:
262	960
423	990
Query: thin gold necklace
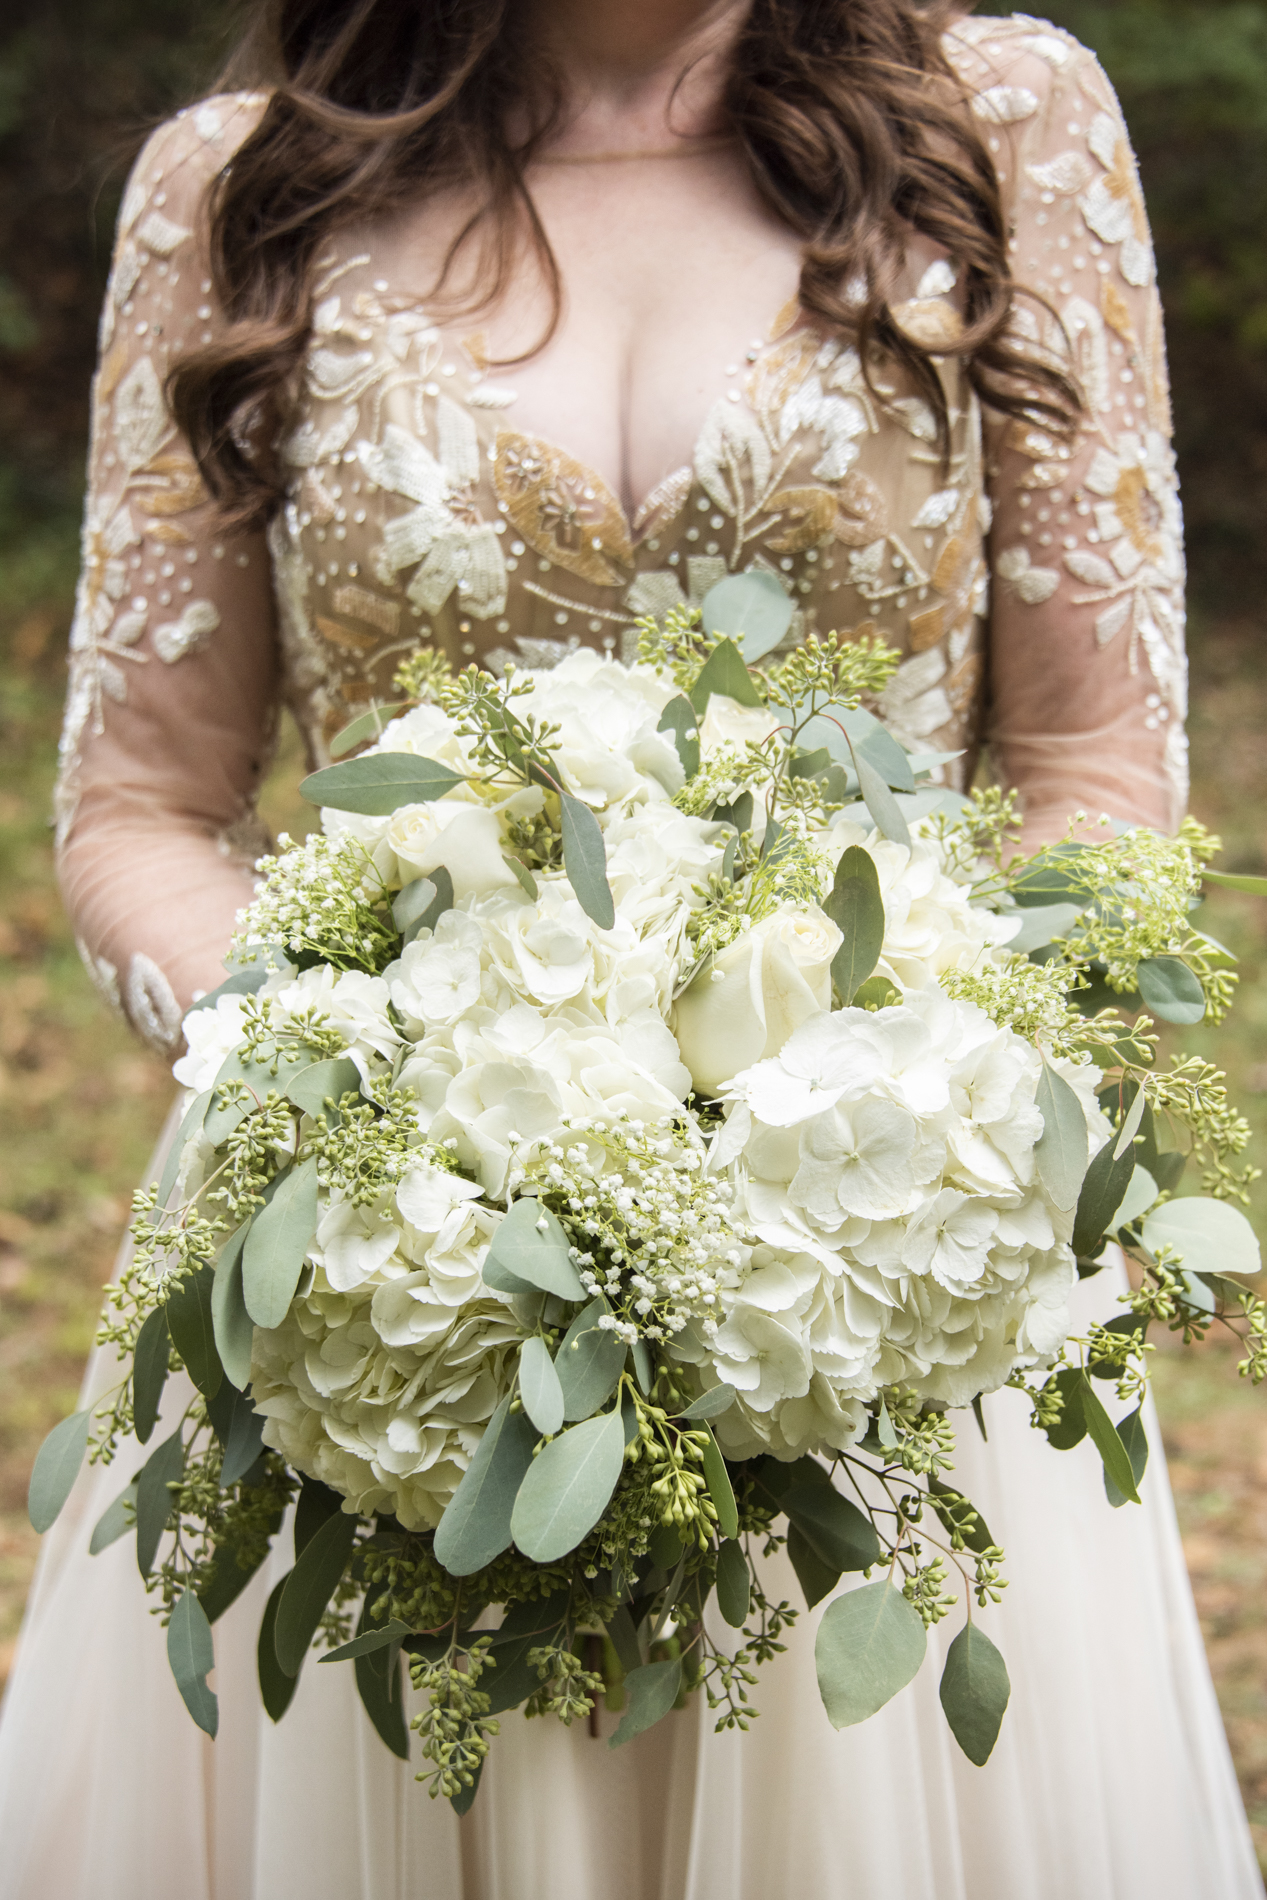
693	149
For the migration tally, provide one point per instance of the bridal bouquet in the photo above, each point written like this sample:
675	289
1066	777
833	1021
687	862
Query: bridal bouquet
640	1117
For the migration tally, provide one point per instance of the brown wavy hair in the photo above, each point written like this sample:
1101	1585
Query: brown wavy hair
854	126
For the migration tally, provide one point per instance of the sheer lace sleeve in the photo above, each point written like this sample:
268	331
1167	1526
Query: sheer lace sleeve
173	665
1087	663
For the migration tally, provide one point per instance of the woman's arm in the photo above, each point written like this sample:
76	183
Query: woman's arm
1087	672
173	679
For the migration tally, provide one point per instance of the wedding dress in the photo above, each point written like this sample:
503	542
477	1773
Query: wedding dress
418	510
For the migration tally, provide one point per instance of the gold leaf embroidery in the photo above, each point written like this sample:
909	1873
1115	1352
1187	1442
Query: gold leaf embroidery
927	628
349	638
168	532
930	321
949	563
562	509
1115	310
811	514
361	604
961	687
665	502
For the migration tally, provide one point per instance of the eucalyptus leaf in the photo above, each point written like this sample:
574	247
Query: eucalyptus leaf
192	1655
738	814
711	1404
1130	1124
1053	877
856	907
380	783
1135	1442
568	1487
463	1801
869	739
192	1119
277	1244
753	608
1234	881
241	983
589	1362
870	1644
149	1372
978	1538
309	1588
539	1387
527	882
1104	1435
1060	1154
624	1636
1138	1198
240	1429
652	1691
1044	923
308	1088
420	905
720	1489
366	725
1170	989
884	1430
681	719
315	1506
885	811
838	1530
56	1467
161	1469
1209	1235
644	1371
1106	1181
220	1121
530	1249
816	1578
234	1328
115	1521
192	1332
734	1583
585	861
1071	1427
376	1636
724	672
974	1693
476	1525
230	1576
380	1686
876	993
276	1687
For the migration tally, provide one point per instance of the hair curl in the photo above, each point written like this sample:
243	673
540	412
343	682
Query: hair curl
854	125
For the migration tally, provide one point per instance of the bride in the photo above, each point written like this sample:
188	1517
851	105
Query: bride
494	324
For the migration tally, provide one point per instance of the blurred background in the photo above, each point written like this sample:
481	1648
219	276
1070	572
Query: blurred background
80	1103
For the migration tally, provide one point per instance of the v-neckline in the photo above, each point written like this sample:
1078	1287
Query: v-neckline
785	323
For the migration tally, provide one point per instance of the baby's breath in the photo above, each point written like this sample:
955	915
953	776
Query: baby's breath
322	901
650	1230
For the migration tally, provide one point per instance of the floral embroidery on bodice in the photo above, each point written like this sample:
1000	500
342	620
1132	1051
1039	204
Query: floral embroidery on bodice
1033	588
418	511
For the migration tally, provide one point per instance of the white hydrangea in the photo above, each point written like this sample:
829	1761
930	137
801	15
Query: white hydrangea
885	1161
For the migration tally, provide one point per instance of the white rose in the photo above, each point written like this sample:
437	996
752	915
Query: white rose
466	839
749	1001
726	722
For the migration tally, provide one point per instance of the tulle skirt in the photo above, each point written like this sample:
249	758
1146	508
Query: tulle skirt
1111	1779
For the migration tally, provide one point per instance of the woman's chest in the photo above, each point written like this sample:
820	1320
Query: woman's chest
439	495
